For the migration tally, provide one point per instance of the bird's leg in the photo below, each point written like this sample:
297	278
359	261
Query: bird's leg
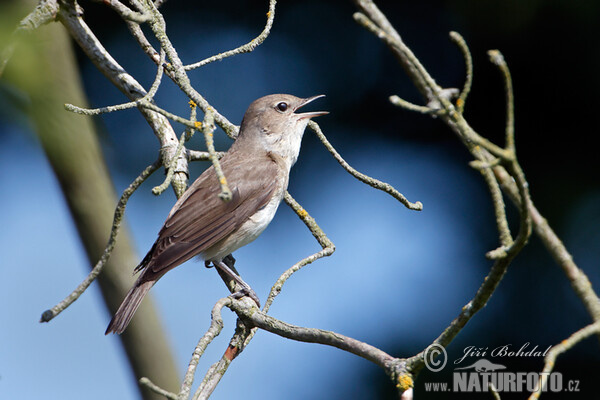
229	260
226	272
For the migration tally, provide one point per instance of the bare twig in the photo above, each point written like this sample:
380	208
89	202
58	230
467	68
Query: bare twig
558	349
48	315
327	248
125	12
400	102
195	155
157	389
246	48
177	72
498	59
247	310
148	97
377	184
243	335
215	328
208	127
464	49
487	155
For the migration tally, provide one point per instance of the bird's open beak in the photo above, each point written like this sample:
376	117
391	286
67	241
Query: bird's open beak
311	113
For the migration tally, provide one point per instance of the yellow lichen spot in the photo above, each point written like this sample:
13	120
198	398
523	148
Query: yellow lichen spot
192	103
302	213
198	124
268	14
460	102
223	181
405	382
564	342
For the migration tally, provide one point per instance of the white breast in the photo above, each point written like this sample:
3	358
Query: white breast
247	232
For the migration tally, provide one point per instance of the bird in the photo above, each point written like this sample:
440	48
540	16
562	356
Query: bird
257	168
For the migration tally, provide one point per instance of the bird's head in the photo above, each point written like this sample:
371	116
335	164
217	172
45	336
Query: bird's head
272	123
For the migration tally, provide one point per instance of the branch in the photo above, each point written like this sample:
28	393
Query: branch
70	15
208	127
247	311
213	331
464	49
246	48
125	12
48	315
141	102
377	184
243	334
482	296
500	168
177	72
558	349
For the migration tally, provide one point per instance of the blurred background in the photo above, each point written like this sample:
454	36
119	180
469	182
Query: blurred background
398	277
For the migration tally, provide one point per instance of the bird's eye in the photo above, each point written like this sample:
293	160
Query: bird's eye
282	106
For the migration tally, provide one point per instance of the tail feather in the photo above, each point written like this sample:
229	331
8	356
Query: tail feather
128	307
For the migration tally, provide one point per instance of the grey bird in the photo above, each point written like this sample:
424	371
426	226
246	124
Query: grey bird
257	168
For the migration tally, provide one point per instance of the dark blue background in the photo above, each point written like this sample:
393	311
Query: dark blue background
398	277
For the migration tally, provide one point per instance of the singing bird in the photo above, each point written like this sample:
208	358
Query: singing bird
257	168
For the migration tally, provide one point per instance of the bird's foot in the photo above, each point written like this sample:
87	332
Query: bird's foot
247	291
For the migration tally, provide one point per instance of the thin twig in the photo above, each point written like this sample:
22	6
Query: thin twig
196	155
464	49
48	315
247	310
498	59
125	12
479	146
377	184
177	72
512	165
483	294
171	168
208	127
558	349
246	48
124	106
157	389
242	335
138	34
505	236
400	102
217	370
327	248
173	117
215	328
377	23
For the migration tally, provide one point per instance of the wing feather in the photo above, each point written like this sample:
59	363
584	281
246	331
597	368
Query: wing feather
200	218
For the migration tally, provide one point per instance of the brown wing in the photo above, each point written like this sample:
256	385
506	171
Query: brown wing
200	218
